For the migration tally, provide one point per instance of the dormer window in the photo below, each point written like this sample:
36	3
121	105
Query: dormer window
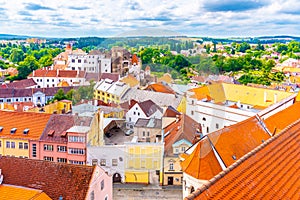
26	130
13	130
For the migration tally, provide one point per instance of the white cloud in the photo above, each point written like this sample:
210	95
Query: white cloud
107	17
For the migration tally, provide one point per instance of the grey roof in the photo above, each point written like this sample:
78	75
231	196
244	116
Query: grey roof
84	108
104	85
159	98
79	129
118	88
149	123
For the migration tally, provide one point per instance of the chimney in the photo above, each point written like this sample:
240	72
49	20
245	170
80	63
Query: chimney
275	98
265	96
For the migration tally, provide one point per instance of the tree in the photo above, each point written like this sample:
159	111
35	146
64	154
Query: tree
46	61
16	55
243	47
27	66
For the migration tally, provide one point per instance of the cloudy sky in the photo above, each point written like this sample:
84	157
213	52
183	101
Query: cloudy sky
216	18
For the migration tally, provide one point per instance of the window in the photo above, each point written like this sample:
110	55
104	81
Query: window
20	145
103	162
148	133
47	80
76	138
76	162
62	160
48	147
130	119
73	60
47	158
61	148
12	145
7	144
25	145
171	166
134	113
94	161
79	61
76	151
192	112
217	126
0	144
204	119
92	195
34	150
102	184
138	113
183	149
192	102
144	133
114	162
8	100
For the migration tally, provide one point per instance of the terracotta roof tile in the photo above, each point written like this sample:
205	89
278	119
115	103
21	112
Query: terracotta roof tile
230	143
171	112
270	171
55	179
183	128
159	87
282	119
149	107
13	192
206	166
35	122
20	84
238	139
112	76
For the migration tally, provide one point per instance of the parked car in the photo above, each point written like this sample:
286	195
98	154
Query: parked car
129	132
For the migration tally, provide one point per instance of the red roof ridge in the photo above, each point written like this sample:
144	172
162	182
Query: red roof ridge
216	178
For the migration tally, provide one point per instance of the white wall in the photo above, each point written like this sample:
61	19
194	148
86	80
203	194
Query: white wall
189	182
108	152
213	117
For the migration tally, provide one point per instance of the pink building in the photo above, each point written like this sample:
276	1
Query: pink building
62	140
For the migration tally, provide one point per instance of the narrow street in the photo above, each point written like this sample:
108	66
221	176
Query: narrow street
146	192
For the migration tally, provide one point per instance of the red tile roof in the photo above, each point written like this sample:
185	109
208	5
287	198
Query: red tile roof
60	124
237	140
57	73
55	179
35	122
25	83
282	119
206	166
270	171
160	87
183	128
149	107
230	143
171	112
112	76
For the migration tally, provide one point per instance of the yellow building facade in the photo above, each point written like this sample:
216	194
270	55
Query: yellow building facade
144	163
14	147
58	107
